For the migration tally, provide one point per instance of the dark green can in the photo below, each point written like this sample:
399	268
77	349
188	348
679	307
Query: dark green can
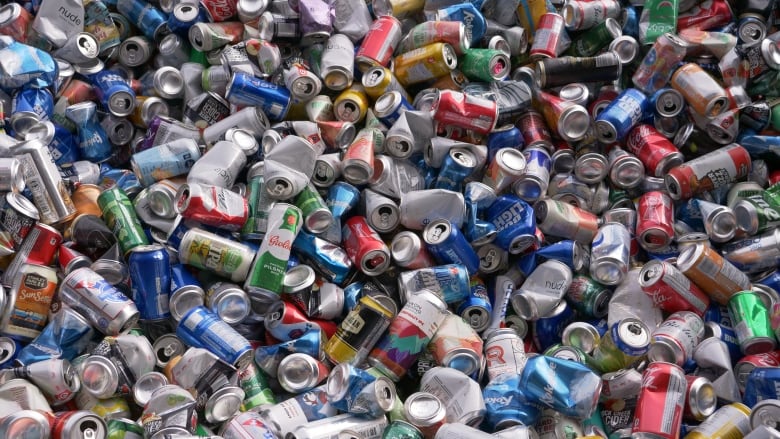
596	38
119	215
485	65
588	297
750	318
259	205
401	430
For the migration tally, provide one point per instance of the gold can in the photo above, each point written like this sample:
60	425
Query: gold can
360	330
700	90
351	105
529	12
425	63
719	278
400	9
380	80
85	199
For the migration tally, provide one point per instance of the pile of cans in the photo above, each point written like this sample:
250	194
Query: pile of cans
389	219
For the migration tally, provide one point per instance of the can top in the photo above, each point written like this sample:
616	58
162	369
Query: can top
424	409
26	423
99	376
298	279
7	348
702	398
437	232
146	384
185	299
337	385
114	272
387	103
631	336
766	412
223	404
166	347
689	256
229	302
405	247
9	13
21	204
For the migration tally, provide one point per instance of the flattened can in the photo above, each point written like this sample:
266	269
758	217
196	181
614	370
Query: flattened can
202	328
166	160
709	171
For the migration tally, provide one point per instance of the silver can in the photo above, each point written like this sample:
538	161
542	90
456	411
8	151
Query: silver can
288	167
115	365
419	208
252	119
542	290
336	66
299	372
610	254
381	212
505	353
219	166
43	178
106	308
328	428
29	424
677	337
461	395
228	301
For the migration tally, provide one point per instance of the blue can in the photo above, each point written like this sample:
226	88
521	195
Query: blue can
631	21
389	107
63	146
551	382
114	93
450	282
771	280
330	260
93	142
548	330
507	404
458	164
269	357
202	328
449	246
181	277
506	137
30	106
718	323
622	114
476	309
515	223
762	383
469	15
184	15
65	336
150	275
567	251
147	18
342	197
9	349
244	89
26	65
164	161
352	293
345	384
477	231
689	213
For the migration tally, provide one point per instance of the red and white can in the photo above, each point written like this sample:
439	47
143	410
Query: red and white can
379	43
285	322
220	10
15	21
39	247
659	409
505	353
655	222
655	151
709	14
707	172
364	246
670	290
550	38
466	111
212	205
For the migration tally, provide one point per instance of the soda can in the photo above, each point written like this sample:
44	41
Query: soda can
450	32
380	42
580	15
656	152
201	328
379	80
716	276
364	246
588	296
671	290
675	340
122	428
659	63
663	385
461	395
561	219
245	89
751	320
205	250
15	21
754	214
114	92
355	426
381	212
505	353
707	172
729	420
449	246
617	119
75	423
28	302
550	38
456	344
702	93
18	217
212	205
610	254
542	290
655	228
245	425
424	64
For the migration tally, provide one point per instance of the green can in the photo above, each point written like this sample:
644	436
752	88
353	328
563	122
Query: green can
255	385
750	318
588	297
120	428
259	205
755	214
401	430
485	65
119	215
316	215
596	38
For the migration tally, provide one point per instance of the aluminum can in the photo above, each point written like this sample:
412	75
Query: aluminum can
364	246
554	72
165	161
456	167
29	107
424	64
38	247
245	89
357	391
485	64
729	420
212	205
200	327
42	177
561	219
626	171
456	344
614	123
357	426
107	308
514	222
449	246
702	93
389	107
205	109
77	423
580	15
360	330
335	71
755	214
15	22
460	394
379	43
399	429
209	251
476	309
220	165
536	176
753	254
379	80
147	18
676	338
25	422
28	301
610	254
466	111
246	425
408	251
505	353
114	92
663	385
658	64
506	167
150	273
715	275
550	38
751	322
549	379
450	32
588	296
424	311
656	152
120	216
115	364
426	412
670	289
450	282
357	165
121	428
655	225
541	292
707	172
65	336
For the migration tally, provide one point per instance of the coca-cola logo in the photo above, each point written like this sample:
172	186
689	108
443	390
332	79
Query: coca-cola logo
276	242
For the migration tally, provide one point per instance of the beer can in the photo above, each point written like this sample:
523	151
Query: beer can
205	250
617	119
426	412
580	15
335	69
107	308
212	205
120	216
715	275
165	161
505	353
609	254
561	219
424	64
456	344
707	172
676	338
114	92
245	89
469	112
729	420
751	322
449	246
200	327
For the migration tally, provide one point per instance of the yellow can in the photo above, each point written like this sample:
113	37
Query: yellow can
728	422
425	63
529	12
379	80
360	330
352	104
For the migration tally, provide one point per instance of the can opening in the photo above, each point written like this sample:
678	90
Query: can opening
385	212
88	428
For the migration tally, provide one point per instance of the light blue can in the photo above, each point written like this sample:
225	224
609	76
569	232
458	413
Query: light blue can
165	161
201	328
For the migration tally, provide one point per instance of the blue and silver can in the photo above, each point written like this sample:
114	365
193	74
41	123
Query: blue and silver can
165	161
150	274
458	164
354	390
63	146
449	246
203	329
93	142
762	383
450	282
330	260
507	404
627	110
533	184
245	89
184	15
114	92
65	336
548	330
571	253
9	349
508	136
515	223
476	309
389	106
147	18
549	381
28	107
469	15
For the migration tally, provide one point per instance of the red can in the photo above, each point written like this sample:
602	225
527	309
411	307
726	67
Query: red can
212	205
15	21
670	289
466	111
709	171
534	130
655	221
39	247
549	38
659	409
656	152
379	43
76	423
220	10
286	322
364	246
706	15
749	362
